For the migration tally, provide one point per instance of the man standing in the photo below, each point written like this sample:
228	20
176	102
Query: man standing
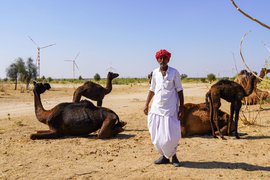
166	110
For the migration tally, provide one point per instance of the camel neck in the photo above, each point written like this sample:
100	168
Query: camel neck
39	110
250	85
108	86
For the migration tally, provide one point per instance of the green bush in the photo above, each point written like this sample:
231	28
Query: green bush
211	77
96	77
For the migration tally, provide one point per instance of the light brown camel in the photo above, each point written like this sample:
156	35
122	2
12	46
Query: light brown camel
233	93
94	91
196	120
76	119
257	95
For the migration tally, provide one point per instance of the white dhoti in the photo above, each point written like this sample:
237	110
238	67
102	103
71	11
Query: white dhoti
165	133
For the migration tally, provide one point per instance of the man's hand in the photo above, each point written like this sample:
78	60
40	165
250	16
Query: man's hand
145	110
180	113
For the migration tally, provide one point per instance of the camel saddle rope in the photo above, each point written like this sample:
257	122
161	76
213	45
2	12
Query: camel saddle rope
245	14
244	62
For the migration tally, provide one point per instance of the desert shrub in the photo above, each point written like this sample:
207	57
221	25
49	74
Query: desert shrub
264	84
183	76
97	77
211	77
49	79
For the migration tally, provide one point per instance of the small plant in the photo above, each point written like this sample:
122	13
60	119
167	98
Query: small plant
19	123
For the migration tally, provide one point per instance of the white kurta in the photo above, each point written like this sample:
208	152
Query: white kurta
163	123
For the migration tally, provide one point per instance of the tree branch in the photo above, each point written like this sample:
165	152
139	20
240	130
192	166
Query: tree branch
245	14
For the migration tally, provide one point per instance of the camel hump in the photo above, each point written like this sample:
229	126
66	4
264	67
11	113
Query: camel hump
88	104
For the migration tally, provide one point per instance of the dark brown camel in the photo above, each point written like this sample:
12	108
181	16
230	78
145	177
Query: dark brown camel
76	119
94	91
150	77
196	120
233	93
257	95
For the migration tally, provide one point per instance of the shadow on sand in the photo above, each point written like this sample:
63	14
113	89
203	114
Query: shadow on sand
223	165
94	136
256	137
91	136
139	130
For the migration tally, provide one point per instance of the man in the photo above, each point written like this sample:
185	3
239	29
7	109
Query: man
166	110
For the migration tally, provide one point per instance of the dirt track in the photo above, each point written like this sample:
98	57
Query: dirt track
130	155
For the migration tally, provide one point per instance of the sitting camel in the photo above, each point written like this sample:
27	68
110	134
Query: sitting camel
257	95
93	90
196	120
76	119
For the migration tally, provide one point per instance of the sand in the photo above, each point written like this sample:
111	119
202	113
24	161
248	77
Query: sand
130	154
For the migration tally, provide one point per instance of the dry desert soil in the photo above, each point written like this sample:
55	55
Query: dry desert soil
130	154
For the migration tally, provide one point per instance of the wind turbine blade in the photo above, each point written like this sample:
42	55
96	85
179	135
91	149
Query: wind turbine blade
267	47
77	56
111	69
76	65
47	46
33	41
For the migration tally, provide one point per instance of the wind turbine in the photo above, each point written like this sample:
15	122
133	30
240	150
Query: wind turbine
110	68
38	54
74	64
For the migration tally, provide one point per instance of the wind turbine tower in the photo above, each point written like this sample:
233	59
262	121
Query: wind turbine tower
74	65
38	54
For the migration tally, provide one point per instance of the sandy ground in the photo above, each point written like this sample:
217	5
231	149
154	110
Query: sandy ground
130	155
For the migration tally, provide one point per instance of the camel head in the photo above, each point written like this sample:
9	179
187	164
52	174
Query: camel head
112	75
264	72
41	87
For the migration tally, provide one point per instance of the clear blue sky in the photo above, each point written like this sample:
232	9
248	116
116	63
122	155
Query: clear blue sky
202	35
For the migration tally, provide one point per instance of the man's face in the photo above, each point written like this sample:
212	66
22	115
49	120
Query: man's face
163	61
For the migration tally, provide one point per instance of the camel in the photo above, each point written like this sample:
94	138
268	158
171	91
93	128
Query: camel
233	93
196	120
257	95
94	91
75	119
149	76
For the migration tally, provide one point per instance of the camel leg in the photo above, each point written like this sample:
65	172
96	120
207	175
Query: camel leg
120	124
99	103
46	135
232	112
106	128
44	131
236	120
216	105
215	117
211	118
223	130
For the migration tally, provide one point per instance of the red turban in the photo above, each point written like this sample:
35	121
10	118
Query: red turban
163	52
